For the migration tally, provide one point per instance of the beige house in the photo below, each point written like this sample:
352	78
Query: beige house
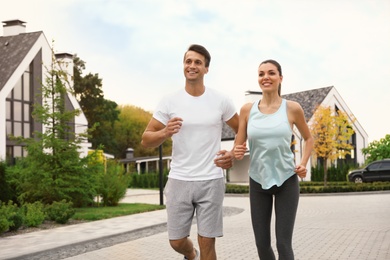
24	58
309	100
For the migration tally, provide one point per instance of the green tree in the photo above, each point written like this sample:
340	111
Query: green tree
377	150
101	113
331	132
53	170
129	129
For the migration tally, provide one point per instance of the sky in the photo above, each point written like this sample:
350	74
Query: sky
136	47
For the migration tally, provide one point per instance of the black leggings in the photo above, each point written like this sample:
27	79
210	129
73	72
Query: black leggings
286	203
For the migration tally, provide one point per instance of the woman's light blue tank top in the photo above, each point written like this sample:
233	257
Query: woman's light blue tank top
269	138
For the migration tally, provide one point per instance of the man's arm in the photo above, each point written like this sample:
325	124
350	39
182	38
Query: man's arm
225	158
156	132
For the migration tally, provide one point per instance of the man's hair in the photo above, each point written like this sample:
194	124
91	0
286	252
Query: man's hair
201	50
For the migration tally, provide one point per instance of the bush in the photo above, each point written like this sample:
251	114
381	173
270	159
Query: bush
335	174
234	188
60	211
4	224
11	217
17	220
147	180
114	184
6	192
34	214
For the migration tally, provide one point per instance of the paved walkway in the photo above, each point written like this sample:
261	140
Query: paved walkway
329	227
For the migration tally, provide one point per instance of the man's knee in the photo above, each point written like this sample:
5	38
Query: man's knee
178	243
206	242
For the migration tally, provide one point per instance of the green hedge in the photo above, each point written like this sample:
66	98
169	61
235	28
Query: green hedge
335	174
147	180
151	180
318	187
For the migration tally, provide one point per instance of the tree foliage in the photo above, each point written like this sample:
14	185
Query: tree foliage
101	113
129	129
377	150
53	170
331	131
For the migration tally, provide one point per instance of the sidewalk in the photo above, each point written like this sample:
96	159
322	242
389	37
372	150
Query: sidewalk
330	227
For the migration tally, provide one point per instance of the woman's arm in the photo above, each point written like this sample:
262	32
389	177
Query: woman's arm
240	141
298	119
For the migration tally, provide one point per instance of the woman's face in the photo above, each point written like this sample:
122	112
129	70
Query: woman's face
269	78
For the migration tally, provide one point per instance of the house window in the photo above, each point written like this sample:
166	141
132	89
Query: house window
18	114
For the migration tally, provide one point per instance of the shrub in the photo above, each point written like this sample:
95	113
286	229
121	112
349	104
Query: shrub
17	220
335	174
11	216
114	184
147	180
60	211
34	214
235	188
4	224
6	193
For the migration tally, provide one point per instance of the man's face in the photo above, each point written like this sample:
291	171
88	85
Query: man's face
194	66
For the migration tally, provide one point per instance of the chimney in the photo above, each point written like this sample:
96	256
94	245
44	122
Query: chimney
129	153
13	27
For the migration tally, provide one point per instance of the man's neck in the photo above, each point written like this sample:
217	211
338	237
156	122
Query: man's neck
195	89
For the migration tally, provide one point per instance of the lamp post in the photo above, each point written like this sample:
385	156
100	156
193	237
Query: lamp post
161	179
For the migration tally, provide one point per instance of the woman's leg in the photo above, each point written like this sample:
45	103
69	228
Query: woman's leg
261	212
286	204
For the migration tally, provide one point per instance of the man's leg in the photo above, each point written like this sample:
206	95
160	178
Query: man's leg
184	246
209	213
180	212
207	248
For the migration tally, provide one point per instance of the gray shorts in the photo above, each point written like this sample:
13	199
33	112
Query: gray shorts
184	198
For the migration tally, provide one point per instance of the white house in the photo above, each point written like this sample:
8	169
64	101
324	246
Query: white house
24	59
309	100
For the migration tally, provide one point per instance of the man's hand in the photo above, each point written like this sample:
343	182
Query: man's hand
173	126
224	159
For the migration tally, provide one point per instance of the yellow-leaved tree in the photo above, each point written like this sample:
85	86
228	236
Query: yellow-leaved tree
331	131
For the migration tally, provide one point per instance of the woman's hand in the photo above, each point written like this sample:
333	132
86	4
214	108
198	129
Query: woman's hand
301	171
239	151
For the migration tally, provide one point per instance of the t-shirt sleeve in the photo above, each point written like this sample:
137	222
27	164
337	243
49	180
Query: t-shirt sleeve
229	109
161	112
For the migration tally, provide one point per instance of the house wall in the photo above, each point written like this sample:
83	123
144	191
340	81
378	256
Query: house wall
40	59
80	121
334	99
41	46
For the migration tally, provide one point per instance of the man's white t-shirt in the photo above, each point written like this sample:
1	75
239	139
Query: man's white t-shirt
195	146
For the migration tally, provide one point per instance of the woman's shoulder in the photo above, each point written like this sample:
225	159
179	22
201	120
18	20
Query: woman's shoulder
246	108
293	105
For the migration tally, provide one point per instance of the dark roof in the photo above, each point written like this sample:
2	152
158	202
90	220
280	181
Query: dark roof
309	100
13	49
227	132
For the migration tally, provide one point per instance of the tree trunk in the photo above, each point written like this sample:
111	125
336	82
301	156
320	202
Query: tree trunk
325	172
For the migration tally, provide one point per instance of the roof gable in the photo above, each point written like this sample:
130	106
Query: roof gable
13	50
309	100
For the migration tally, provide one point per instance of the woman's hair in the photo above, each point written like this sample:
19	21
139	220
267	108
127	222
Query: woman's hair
201	50
278	67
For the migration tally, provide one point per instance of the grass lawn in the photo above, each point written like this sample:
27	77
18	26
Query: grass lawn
123	209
